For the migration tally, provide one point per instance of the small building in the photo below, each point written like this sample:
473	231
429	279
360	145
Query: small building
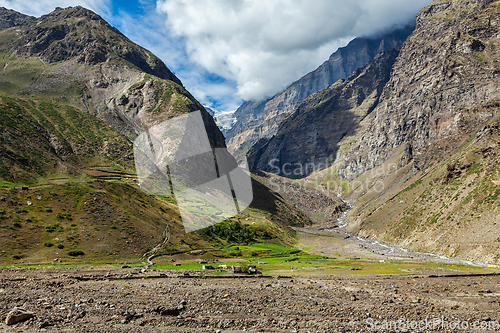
252	269
207	267
237	269
177	264
222	266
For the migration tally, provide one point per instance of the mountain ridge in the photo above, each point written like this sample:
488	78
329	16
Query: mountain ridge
261	119
309	137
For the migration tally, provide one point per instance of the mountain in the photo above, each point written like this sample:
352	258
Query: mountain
261	119
435	86
421	169
224	119
308	139
74	94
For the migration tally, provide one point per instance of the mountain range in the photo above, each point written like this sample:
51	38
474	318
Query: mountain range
404	126
411	140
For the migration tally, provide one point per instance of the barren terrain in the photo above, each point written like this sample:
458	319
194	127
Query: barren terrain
109	299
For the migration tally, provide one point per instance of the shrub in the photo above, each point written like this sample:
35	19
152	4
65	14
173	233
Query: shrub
16	256
48	210
54	227
60	246
235	253
17	225
62	216
48	244
75	253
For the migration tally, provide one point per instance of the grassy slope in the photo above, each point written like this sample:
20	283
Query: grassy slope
44	143
43	138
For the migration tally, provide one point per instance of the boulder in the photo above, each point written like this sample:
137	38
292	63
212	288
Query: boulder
17	315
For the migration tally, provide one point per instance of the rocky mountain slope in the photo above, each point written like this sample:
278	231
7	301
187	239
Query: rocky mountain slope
308	139
422	170
75	57
446	69
74	93
261	119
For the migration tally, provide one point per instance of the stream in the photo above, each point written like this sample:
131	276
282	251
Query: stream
390	250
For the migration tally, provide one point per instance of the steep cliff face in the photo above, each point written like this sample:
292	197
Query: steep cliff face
256	120
446	68
308	139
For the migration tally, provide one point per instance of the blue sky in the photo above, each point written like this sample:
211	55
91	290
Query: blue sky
229	51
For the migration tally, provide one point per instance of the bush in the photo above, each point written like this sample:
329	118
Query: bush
230	231
235	253
75	253
48	244
62	216
48	210
17	225
15	256
54	227
60	246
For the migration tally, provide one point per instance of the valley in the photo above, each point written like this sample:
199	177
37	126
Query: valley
375	182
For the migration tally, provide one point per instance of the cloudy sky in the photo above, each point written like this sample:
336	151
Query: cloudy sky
228	51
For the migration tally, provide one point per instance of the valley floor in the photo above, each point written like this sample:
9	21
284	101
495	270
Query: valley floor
108	299
337	242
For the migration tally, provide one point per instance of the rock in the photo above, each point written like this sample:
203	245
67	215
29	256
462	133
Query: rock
17	315
167	311
44	324
131	315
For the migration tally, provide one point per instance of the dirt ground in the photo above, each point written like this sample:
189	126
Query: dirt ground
109	299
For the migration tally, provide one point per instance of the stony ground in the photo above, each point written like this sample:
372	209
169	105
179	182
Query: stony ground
124	300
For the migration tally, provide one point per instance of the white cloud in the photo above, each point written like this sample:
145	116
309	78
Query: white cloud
42	7
266	45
